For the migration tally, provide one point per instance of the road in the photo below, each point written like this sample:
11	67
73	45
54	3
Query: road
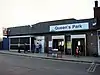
20	65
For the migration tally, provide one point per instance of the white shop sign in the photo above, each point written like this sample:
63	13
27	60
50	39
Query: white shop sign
69	27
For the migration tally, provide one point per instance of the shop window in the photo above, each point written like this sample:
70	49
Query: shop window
14	47
24	40
68	41
14	40
68	44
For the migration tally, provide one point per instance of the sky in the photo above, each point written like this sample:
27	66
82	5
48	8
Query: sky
27	12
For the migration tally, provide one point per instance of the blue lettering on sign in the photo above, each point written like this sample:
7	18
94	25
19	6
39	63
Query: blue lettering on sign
73	26
69	27
80	26
76	26
63	27
56	27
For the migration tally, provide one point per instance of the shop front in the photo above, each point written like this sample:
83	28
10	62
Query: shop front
58	41
67	34
21	40
70	41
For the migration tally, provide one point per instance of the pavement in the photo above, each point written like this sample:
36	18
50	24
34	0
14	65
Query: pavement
21	65
86	59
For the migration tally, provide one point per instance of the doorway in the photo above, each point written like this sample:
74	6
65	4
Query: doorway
57	43
80	42
41	41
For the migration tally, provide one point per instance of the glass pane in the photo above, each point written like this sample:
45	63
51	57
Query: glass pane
13	47
14	40
24	40
21	47
68	44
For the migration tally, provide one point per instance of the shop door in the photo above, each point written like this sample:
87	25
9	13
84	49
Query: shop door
80	42
40	41
57	43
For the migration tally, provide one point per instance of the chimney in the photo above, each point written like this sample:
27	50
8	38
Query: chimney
96	10
97	14
96	3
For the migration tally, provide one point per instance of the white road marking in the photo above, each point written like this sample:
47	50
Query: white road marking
92	67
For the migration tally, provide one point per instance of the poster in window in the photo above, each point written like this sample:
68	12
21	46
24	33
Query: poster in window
50	43
69	44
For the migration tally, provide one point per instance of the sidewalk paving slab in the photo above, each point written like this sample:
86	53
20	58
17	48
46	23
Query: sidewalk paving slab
64	58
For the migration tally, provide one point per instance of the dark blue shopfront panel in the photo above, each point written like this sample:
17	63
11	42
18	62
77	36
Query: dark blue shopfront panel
5	43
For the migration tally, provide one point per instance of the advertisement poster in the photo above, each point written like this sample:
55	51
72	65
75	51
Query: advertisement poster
69	44
50	43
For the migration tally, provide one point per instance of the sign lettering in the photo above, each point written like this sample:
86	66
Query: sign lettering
69	27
